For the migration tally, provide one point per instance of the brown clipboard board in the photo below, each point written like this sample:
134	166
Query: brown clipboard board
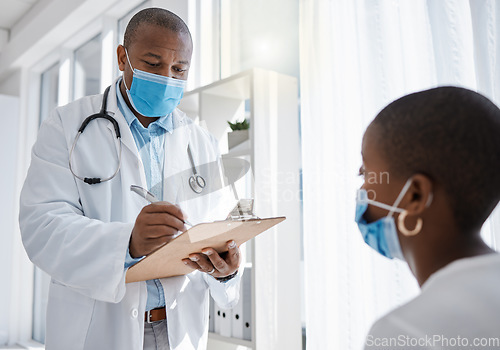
167	261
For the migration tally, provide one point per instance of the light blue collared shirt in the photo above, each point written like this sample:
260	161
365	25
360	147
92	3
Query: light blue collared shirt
150	142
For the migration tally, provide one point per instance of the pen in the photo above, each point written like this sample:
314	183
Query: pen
144	193
149	197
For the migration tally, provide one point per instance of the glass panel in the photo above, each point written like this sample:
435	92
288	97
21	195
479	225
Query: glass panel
87	69
273	44
49	89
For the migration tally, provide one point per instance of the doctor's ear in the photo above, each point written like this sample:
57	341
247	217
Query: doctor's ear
420	194
121	57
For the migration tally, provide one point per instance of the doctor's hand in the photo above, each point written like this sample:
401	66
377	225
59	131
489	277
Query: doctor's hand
156	225
215	264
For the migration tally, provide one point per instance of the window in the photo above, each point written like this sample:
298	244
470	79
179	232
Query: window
87	68
122	23
272	44
49	89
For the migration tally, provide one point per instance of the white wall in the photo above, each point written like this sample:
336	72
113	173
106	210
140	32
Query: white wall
9	118
11	84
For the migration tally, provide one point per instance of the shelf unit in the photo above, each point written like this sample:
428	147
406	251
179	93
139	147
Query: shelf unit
270	101
229	340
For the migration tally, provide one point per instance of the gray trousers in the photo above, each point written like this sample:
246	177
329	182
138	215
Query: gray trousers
156	336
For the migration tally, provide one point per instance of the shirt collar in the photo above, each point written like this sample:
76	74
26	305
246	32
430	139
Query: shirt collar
164	122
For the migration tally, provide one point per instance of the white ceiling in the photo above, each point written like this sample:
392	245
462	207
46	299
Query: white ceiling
12	11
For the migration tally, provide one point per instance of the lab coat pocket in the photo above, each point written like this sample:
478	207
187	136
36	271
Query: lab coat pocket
68	317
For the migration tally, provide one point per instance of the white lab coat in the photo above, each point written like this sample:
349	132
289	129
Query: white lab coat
458	305
79	233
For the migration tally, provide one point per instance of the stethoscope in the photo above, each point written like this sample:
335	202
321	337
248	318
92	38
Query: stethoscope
196	181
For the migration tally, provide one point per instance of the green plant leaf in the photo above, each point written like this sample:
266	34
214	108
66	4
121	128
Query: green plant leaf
244	125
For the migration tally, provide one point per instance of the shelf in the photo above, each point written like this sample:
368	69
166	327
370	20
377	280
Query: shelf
190	103
268	99
237	87
235	341
243	149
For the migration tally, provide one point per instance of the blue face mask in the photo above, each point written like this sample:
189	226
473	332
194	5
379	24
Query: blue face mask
381	234
154	95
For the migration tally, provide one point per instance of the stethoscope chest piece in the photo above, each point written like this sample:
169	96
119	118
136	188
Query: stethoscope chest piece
197	183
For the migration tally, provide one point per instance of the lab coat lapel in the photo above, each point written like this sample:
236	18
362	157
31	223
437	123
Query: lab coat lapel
126	135
132	169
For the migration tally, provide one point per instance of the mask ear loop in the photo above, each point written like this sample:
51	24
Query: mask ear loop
400	197
130	64
401	219
429	200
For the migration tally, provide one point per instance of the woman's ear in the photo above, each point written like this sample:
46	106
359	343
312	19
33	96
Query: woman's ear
420	194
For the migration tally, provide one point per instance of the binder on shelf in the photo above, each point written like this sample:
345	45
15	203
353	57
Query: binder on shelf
167	261
211	315
225	322
217	318
242	312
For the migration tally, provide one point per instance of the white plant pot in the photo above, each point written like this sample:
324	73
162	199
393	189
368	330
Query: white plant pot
236	137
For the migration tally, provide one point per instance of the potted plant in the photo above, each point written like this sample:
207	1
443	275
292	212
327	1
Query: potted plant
239	133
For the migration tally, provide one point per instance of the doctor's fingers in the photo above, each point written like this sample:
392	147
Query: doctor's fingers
159	232
151	245
231	259
199	262
224	266
153	219
165	207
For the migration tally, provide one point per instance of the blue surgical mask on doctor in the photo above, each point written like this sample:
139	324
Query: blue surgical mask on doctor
154	95
381	234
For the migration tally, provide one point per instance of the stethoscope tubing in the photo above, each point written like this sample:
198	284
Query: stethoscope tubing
94	180
196	181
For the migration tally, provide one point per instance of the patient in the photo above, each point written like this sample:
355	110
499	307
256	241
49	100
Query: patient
441	148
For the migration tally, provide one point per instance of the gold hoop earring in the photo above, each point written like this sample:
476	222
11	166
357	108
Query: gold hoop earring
402	227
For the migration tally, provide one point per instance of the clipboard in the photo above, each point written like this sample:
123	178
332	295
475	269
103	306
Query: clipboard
167	261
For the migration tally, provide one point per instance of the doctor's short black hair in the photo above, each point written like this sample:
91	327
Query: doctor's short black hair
155	16
452	135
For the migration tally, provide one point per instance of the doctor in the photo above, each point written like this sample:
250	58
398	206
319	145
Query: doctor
86	236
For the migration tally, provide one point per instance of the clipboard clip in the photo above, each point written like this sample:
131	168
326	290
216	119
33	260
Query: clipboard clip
242	211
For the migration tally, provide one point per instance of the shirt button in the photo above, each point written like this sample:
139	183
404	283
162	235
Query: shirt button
135	313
